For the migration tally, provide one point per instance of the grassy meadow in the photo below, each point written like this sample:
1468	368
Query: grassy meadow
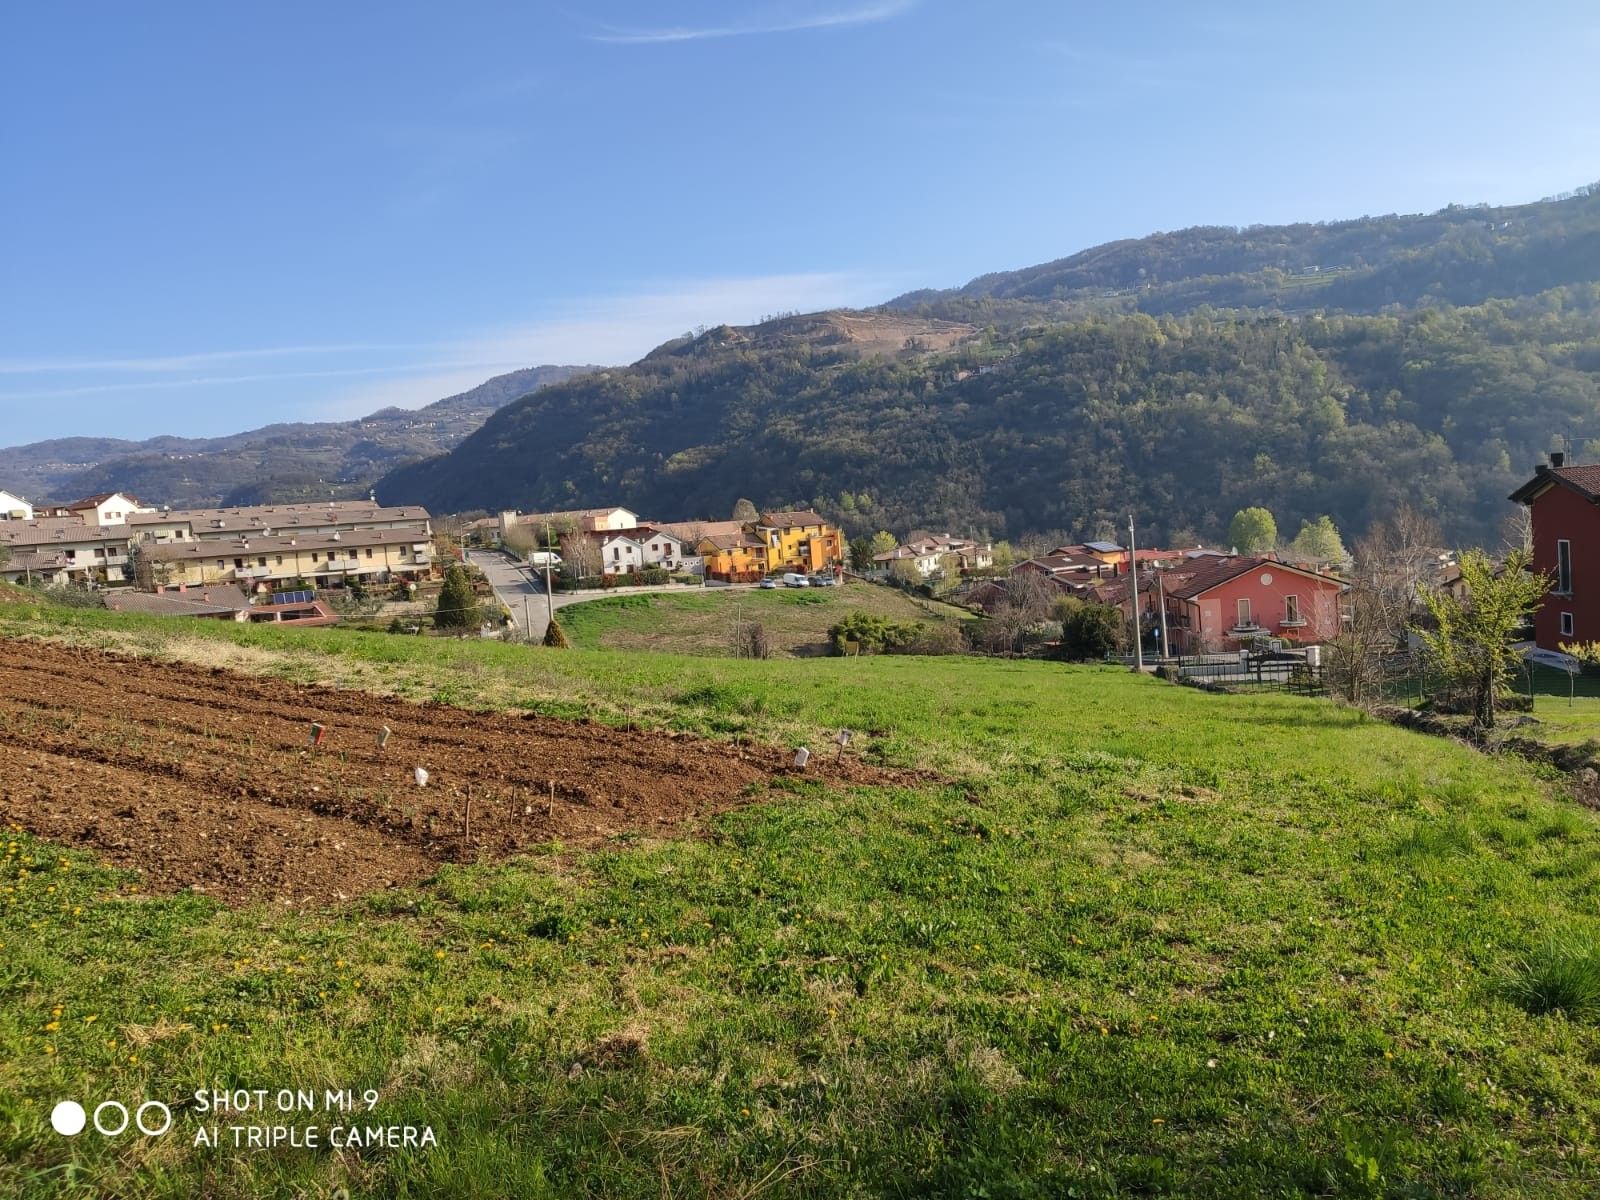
1128	939
796	620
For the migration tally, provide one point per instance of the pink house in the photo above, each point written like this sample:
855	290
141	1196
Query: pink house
1229	602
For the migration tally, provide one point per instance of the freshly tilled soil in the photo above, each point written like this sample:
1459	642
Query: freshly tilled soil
206	780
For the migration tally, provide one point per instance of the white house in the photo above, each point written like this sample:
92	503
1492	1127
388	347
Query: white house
928	554
14	507
108	508
624	551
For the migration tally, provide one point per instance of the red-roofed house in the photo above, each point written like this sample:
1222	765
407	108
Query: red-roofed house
1228	602
1564	503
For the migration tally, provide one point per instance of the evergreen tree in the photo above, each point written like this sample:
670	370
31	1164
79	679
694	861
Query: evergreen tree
457	607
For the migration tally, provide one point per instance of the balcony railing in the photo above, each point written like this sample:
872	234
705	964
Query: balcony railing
1292	623
1245	628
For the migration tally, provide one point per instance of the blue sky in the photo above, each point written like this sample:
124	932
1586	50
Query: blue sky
219	215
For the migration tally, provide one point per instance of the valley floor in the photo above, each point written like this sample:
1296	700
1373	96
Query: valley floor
1061	931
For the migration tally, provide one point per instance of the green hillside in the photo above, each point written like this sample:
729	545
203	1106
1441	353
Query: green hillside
1125	939
1463	254
273	464
1063	425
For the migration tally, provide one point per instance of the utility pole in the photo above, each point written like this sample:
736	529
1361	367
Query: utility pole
1133	593
549	598
1161	607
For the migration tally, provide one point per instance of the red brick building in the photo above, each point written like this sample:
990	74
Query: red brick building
1565	505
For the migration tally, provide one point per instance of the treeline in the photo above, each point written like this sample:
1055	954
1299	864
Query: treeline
1069	425
1458	255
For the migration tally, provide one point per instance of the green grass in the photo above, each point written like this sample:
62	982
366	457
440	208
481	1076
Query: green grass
797	620
1135	940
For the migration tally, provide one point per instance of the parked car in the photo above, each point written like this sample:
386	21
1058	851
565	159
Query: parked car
793	579
769	582
823	581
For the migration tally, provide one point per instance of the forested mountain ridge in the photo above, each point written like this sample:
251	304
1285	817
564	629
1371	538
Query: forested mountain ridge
1463	254
1063	425
306	460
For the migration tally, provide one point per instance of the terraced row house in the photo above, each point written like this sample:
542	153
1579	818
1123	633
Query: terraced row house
113	540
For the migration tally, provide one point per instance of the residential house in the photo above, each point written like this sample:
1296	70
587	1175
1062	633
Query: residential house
14	507
579	520
799	540
322	559
271	520
1564	504
1077	570
736	557
692	533
624	551
107	508
1226	603
928	554
920	555
68	548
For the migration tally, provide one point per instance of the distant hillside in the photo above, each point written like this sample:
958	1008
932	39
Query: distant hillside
275	463
1058	425
1459	255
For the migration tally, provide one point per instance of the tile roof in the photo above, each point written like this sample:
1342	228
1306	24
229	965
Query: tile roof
1583	479
59	531
1203	578
208	601
704	529
790	518
282	516
100	498
259	544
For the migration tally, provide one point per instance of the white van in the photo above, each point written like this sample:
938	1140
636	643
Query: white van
791	579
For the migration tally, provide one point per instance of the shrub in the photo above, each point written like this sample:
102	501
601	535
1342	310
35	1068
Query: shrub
940	637
72	595
874	635
1091	631
653	576
556	637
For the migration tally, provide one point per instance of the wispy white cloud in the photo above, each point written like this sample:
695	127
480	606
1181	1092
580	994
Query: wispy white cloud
614	330
171	363
865	14
606	329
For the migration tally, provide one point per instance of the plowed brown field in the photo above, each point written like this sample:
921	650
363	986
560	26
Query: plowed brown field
205	779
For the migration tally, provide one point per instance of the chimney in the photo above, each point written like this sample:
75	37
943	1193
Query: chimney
1557	458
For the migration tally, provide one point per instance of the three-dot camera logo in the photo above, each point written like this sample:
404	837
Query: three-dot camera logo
111	1119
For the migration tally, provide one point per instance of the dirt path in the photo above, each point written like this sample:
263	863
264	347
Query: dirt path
206	779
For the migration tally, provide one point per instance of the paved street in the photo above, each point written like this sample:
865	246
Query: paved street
514	586
521	590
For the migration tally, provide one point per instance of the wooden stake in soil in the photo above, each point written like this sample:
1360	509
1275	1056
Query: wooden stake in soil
551	811
466	821
383	736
